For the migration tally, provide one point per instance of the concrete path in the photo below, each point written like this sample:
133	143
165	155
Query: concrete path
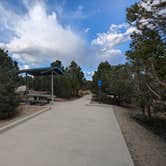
71	134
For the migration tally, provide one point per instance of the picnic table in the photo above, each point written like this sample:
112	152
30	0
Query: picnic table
35	98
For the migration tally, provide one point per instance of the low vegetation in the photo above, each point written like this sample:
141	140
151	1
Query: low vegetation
8	82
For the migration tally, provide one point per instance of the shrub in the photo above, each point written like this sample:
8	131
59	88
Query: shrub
8	98
159	107
8	80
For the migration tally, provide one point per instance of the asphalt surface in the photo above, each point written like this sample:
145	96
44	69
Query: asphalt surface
71	134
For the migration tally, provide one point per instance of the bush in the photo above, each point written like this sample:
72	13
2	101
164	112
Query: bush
8	99
106	99
159	107
62	86
8	80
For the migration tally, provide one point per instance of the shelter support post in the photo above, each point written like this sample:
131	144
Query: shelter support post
26	82
52	86
26	95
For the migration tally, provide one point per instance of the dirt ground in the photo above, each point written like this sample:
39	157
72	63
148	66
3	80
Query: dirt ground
23	111
146	148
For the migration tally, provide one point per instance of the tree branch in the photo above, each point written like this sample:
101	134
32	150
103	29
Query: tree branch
155	93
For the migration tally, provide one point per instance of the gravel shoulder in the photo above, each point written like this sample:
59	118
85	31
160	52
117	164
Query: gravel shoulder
146	148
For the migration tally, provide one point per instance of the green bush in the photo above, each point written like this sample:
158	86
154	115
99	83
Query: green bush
8	99
159	107
63	86
8	81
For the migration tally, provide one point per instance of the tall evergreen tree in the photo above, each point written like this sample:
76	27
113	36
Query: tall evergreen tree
102	73
116	80
76	77
148	51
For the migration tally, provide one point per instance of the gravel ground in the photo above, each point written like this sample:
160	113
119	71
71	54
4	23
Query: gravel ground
146	148
23	112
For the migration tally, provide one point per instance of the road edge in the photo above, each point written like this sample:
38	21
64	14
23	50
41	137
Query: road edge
131	160
22	120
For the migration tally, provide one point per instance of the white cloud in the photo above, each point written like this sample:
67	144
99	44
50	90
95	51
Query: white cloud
87	30
8	18
88	74
38	36
2	45
111	52
24	67
114	36
108	41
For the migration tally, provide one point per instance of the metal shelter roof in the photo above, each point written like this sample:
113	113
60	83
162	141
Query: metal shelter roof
42	71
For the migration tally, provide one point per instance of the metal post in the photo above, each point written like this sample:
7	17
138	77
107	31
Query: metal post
99	89
99	93
26	83
52	87
26	93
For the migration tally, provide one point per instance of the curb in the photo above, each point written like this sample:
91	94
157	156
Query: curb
130	156
98	105
22	120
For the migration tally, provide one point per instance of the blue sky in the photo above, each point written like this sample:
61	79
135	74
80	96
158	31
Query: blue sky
37	32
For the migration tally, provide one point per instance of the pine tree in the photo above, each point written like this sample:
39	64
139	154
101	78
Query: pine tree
147	52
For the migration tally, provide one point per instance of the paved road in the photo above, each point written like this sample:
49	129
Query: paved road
71	134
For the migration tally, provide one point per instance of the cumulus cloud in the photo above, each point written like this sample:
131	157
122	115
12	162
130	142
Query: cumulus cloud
107	42
38	37
8	18
114	36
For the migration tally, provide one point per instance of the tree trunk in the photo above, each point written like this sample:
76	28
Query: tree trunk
72	92
143	110
77	92
149	112
141	92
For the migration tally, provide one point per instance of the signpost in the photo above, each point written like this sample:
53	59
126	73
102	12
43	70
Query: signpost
99	83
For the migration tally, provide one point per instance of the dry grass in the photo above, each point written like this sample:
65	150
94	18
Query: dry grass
23	111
